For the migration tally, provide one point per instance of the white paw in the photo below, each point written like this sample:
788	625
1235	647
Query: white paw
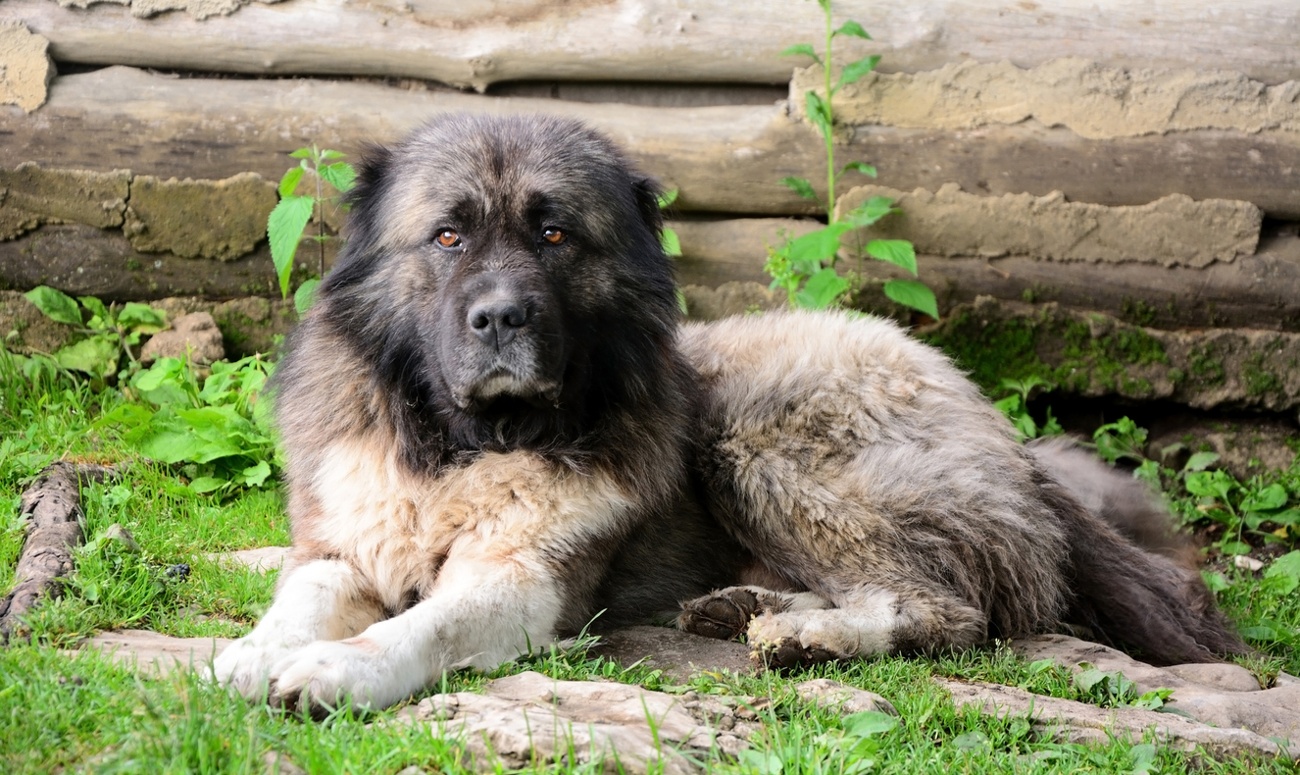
246	664
325	673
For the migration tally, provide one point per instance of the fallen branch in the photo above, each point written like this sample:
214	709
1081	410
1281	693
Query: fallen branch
52	508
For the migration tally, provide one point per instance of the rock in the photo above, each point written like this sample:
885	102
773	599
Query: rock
678	654
262	559
731	298
527	719
154	652
842	699
1077	722
194	337
25	66
221	219
1219	694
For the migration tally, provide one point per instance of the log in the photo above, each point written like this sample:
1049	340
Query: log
52	505
478	42
727	159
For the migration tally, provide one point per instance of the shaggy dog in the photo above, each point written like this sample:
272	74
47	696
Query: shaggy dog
494	431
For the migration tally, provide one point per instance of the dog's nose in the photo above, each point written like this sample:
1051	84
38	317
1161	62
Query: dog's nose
496	321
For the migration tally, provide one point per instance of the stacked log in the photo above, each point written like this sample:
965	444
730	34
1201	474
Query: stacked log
1076	153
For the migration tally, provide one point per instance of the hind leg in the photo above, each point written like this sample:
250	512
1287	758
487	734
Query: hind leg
869	620
725	613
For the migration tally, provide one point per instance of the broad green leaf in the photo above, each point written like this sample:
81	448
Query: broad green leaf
869	723
870	211
898	252
57	305
801	49
330	155
859	166
914	294
800	186
816	246
855	71
289	183
1201	461
305	295
822	290
100	317
206	484
284	230
340	175
1272	497
666	198
672	245
95	355
171	445
1287	566
971	741
142	318
301	153
852	28
256	474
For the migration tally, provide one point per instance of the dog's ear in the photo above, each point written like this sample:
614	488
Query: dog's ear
364	202
647	191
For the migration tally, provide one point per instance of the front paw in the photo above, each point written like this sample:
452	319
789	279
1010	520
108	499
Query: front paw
323	675
246	665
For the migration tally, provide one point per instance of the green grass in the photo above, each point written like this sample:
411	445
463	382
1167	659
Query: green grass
62	711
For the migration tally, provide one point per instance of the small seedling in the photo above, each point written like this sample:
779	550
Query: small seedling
288	221
806	266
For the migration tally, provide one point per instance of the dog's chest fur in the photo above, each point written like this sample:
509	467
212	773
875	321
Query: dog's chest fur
396	528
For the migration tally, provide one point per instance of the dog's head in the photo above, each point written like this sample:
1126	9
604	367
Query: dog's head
494	265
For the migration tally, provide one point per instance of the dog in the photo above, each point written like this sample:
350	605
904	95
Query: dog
496	434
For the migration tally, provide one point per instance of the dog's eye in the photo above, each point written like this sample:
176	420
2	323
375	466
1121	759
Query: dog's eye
447	238
554	236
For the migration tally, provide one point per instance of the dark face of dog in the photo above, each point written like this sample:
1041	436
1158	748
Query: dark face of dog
494	268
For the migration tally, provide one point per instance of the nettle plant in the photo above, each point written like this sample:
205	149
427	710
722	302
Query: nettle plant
806	267
107	333
287	225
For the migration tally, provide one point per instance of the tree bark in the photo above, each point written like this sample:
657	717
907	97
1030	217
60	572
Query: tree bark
52	505
723	159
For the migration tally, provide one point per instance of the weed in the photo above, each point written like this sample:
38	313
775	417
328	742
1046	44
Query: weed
288	221
221	430
107	332
1015	405
805	267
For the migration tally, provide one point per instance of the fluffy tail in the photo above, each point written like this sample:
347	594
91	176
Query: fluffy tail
1127	589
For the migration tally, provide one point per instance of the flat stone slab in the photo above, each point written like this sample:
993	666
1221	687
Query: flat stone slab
678	654
261	559
154	652
1223	695
529	718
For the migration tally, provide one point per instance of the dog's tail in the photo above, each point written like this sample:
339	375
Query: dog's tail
1133	576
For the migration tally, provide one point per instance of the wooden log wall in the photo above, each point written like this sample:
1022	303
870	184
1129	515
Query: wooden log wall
1105	155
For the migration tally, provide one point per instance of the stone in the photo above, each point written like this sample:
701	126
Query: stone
1077	722
842	699
1172	231
194	337
1220	695
680	655
25	66
221	219
530	719
261	560
154	652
